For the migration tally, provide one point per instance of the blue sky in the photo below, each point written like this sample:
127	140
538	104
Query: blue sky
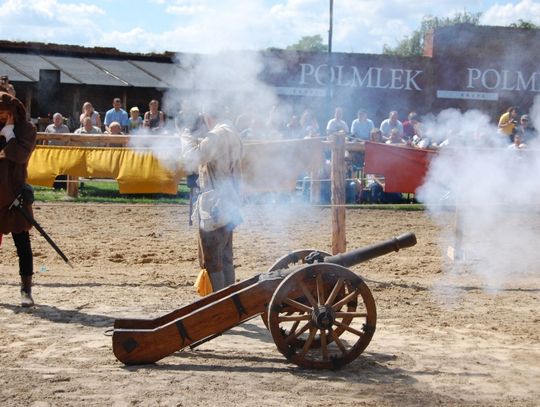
206	26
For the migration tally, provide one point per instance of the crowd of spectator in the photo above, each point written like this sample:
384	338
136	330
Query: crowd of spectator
514	130
116	120
279	125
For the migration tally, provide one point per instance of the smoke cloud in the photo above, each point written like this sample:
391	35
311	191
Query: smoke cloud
222	87
219	86
489	192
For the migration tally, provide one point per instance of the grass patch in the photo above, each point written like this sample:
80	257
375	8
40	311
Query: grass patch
108	192
391	207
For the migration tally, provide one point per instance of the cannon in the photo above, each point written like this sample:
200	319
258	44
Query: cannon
320	314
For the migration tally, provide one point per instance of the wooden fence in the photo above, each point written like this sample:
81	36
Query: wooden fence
267	166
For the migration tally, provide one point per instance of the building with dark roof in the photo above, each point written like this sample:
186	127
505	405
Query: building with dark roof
463	67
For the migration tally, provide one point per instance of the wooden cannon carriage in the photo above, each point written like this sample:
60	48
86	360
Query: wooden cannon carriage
320	314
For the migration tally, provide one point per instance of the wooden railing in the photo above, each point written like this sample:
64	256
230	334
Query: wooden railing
98	140
102	140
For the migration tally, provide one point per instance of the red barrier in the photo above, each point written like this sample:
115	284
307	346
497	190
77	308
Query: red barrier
404	168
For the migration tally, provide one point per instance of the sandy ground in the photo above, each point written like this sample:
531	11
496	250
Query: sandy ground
441	339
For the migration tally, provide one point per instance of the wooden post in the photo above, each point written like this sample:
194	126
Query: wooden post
339	243
315	188
72	186
315	175
456	252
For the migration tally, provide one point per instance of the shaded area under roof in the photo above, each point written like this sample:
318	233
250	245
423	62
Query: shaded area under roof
89	71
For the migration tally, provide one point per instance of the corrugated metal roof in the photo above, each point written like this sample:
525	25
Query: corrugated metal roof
90	71
13	74
83	71
27	64
128	72
167	73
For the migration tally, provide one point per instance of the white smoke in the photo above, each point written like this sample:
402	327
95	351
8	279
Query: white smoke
212	83
493	191
221	87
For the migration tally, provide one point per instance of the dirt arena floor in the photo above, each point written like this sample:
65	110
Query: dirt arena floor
445	340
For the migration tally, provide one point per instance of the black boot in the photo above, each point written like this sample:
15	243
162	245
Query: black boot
26	291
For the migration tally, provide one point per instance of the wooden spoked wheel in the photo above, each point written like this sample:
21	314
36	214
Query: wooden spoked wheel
322	316
294	258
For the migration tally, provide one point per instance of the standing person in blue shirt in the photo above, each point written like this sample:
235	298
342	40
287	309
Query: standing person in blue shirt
391	123
337	124
361	126
116	114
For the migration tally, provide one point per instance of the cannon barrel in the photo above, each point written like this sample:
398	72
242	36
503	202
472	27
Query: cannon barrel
370	252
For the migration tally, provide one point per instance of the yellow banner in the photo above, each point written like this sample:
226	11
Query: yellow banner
272	166
137	172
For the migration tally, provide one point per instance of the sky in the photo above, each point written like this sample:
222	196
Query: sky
209	26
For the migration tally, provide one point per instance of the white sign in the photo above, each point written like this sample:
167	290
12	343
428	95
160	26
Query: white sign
290	91
464	94
353	77
504	79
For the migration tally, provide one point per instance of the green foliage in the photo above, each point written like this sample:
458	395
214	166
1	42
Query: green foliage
414	207
525	24
313	43
414	45
107	192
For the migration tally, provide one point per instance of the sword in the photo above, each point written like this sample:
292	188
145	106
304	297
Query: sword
191	193
191	182
18	204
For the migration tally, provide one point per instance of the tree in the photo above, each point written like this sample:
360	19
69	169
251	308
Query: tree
524	24
414	45
313	43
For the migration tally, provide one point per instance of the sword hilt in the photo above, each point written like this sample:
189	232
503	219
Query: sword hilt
17	202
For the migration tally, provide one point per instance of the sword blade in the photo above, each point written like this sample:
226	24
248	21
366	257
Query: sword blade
34	223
